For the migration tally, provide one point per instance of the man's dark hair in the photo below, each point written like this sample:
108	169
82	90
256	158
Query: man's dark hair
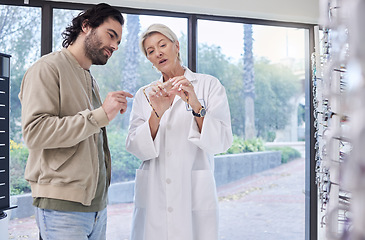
93	17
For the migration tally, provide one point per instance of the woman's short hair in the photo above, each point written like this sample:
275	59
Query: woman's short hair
157	28
93	17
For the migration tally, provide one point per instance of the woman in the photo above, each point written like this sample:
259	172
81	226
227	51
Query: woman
177	124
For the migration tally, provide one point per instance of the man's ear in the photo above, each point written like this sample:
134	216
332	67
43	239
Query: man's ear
85	26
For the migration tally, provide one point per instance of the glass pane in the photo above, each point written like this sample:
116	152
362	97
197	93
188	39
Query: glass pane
129	63
20	37
263	71
128	70
61	19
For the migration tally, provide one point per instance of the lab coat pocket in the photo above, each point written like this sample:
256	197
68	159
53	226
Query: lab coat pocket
58	157
141	188
204	194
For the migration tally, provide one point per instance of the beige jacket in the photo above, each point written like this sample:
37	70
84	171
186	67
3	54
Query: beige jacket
60	128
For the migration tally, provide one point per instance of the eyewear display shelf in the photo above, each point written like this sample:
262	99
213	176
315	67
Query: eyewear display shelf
4	134
338	99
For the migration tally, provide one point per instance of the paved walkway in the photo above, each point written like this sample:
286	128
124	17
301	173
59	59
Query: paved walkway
268	205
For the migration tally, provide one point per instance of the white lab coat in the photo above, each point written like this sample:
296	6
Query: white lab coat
175	192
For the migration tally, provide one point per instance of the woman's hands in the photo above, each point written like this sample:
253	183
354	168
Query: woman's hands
183	88
160	100
161	95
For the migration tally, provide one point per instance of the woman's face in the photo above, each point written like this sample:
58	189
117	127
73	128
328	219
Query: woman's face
161	52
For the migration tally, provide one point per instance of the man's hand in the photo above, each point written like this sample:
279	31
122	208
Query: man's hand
115	102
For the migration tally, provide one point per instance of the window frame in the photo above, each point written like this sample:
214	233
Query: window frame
311	196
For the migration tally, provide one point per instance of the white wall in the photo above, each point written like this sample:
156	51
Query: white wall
303	11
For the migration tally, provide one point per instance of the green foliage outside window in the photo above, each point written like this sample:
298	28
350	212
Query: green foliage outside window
240	145
275	86
18	154
124	164
287	153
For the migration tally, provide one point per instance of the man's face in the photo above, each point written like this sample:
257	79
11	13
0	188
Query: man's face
101	42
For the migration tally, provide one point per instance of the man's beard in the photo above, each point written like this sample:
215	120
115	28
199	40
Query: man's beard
93	49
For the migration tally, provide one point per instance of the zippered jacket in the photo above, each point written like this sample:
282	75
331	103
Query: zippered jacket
60	128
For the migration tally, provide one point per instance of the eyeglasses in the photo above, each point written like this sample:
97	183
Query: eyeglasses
157	86
148	89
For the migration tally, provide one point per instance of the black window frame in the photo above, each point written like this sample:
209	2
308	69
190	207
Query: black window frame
311	196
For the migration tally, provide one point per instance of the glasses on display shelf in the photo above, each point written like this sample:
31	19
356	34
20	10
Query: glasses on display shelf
318	168
317	135
339	222
327	114
317	124
344	197
344	156
344	148
324	197
325	102
315	103
316	145
314	91
342	140
322	135
323	221
323	177
324	151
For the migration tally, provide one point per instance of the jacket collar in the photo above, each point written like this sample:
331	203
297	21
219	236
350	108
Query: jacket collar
71	57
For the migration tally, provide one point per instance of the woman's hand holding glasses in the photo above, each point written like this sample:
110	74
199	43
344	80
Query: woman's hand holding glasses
159	97
183	88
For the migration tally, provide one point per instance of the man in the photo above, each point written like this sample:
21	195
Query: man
63	122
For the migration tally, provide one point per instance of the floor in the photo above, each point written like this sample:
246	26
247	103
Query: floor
267	205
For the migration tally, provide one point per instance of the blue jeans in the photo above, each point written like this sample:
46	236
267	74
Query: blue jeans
58	225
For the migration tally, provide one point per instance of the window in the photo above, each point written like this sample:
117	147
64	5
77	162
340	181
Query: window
61	19
133	71
20	37
128	70
279	66
262	69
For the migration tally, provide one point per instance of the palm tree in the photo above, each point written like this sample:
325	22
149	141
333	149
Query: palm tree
249	82
131	61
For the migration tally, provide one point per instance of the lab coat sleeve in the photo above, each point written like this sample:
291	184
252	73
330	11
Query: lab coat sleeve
216	134
139	141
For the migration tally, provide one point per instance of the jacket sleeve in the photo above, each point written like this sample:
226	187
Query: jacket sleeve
139	141
216	134
42	125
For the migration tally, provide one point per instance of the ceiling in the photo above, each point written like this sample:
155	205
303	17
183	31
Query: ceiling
279	10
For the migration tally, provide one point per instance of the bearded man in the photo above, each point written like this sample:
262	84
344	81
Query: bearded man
63	124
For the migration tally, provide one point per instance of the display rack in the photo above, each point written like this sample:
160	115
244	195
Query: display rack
4	134
339	103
